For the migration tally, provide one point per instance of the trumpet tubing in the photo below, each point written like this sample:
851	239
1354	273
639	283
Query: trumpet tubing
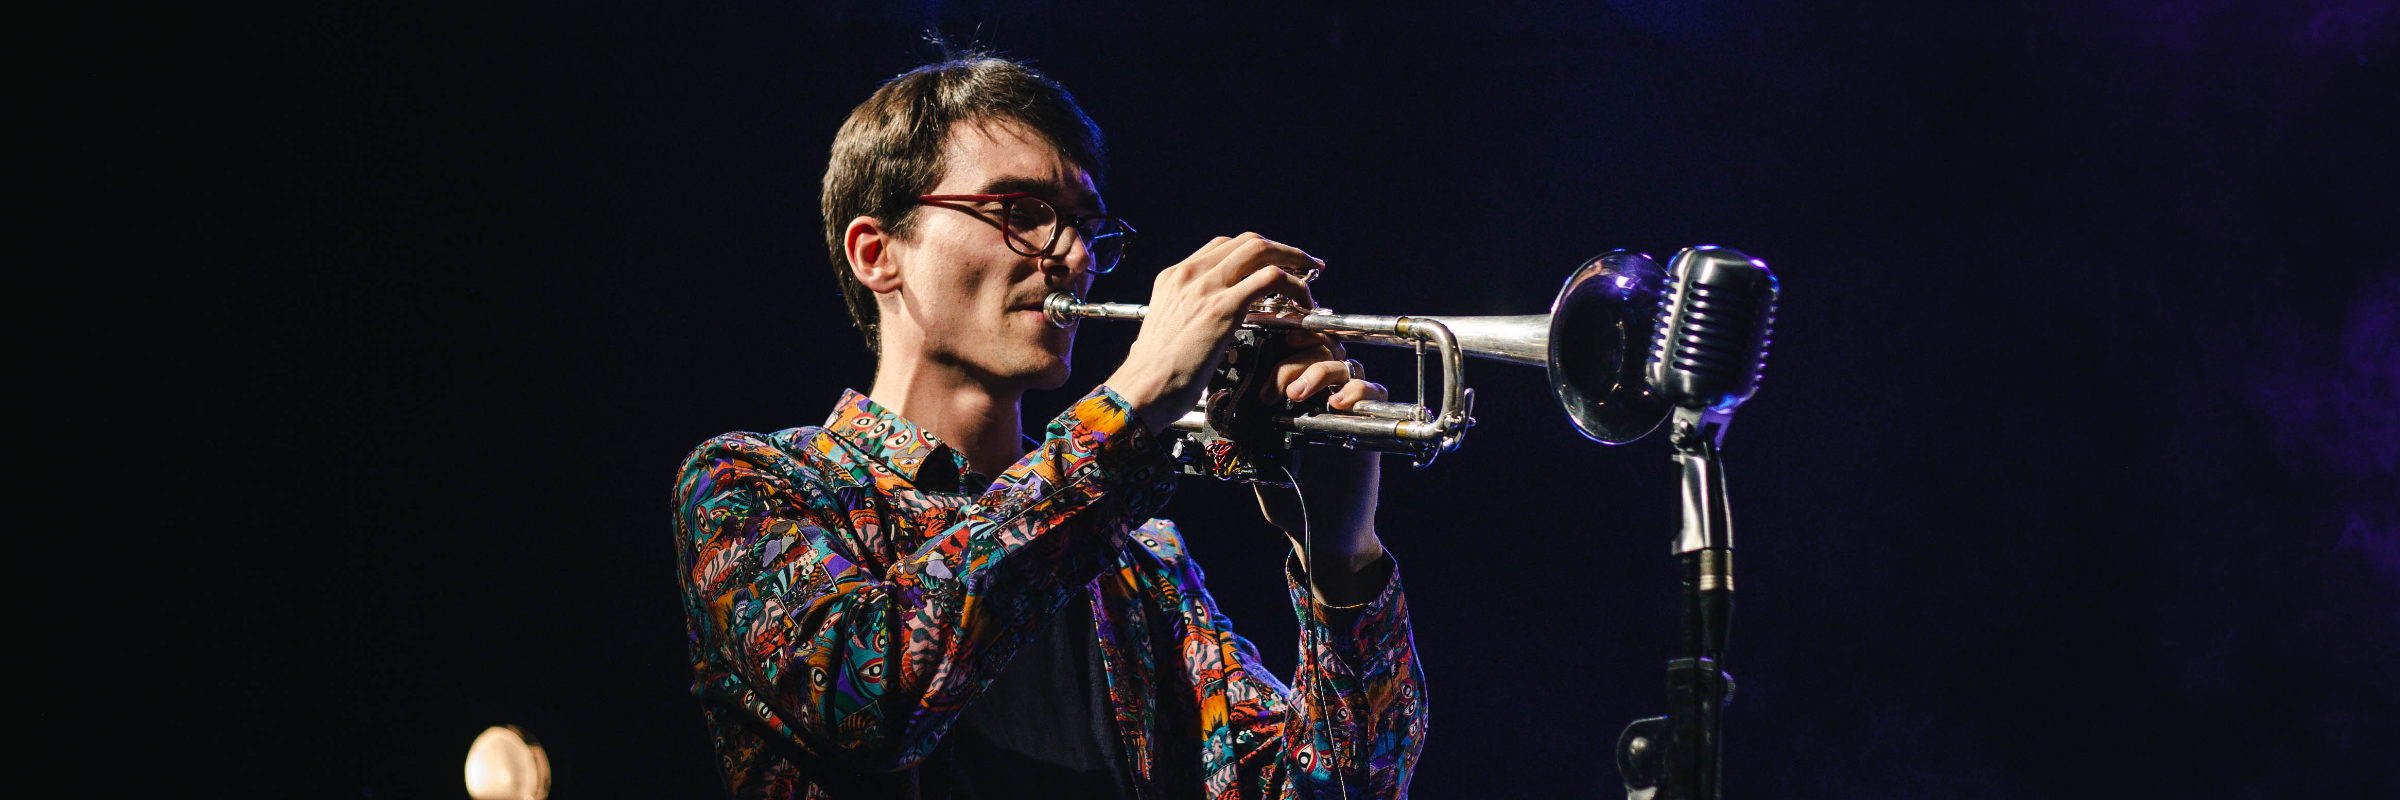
1369	423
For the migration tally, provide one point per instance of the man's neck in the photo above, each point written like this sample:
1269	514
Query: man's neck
980	422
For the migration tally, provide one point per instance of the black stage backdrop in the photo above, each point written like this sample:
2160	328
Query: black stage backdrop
2072	475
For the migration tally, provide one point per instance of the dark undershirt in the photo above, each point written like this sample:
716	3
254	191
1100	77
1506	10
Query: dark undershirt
1043	729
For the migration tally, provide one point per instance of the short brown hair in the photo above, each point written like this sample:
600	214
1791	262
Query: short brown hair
890	150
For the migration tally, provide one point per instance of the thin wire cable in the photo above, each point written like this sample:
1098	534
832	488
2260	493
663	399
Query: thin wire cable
1309	692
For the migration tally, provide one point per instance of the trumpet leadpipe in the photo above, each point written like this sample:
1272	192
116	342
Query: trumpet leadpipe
1063	309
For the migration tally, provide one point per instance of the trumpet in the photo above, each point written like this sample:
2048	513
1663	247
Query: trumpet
1594	344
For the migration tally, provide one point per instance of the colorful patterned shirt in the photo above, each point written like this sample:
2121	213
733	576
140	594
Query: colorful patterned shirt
849	589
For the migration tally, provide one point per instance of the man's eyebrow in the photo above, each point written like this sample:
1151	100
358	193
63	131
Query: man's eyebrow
1043	187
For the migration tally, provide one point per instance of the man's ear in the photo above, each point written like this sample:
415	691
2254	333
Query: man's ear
869	248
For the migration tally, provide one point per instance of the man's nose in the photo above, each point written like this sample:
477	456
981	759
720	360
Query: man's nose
1070	257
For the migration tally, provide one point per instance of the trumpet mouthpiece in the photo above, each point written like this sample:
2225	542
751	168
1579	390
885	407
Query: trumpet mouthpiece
1059	307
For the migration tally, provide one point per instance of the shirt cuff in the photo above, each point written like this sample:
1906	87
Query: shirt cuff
1098	447
1104	425
1380	622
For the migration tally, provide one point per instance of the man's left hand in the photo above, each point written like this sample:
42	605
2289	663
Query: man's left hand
1339	484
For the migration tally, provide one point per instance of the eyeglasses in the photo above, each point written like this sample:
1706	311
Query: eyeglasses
1026	219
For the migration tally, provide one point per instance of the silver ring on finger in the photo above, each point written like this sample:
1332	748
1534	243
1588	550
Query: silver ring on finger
1358	372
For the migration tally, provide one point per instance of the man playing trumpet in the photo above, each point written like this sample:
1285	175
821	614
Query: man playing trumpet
917	599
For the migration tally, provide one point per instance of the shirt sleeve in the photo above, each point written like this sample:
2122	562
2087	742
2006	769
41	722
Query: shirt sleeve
861	659
1350	724
1357	701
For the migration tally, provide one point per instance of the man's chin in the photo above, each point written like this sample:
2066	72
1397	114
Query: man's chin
1031	371
1058	353
1053	375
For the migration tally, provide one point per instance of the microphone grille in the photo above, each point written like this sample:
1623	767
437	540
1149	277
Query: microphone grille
1709	348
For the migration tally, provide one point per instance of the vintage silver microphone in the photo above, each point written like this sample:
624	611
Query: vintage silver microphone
1706	356
1713	328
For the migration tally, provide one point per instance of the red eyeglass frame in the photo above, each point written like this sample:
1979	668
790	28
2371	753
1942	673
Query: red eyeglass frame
1010	236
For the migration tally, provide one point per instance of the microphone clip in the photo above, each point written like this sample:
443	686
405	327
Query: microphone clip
1695	431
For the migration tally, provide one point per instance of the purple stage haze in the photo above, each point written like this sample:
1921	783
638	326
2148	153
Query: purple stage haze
2075	473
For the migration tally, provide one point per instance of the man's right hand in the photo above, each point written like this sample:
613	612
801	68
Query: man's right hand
1194	308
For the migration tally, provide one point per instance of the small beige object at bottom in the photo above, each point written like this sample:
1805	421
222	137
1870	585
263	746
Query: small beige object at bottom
505	763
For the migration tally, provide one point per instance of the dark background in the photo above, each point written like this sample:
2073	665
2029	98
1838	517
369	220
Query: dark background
2073	473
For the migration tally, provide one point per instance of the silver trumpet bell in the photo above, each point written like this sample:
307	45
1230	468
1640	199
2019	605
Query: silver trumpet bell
1594	343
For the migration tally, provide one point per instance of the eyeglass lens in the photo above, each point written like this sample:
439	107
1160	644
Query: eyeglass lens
1032	220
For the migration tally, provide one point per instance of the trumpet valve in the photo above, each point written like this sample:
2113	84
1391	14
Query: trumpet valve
1283	306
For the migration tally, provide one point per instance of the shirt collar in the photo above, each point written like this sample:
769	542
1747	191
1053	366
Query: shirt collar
908	450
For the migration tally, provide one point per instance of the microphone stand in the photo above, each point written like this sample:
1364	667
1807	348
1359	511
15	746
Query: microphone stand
1676	757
